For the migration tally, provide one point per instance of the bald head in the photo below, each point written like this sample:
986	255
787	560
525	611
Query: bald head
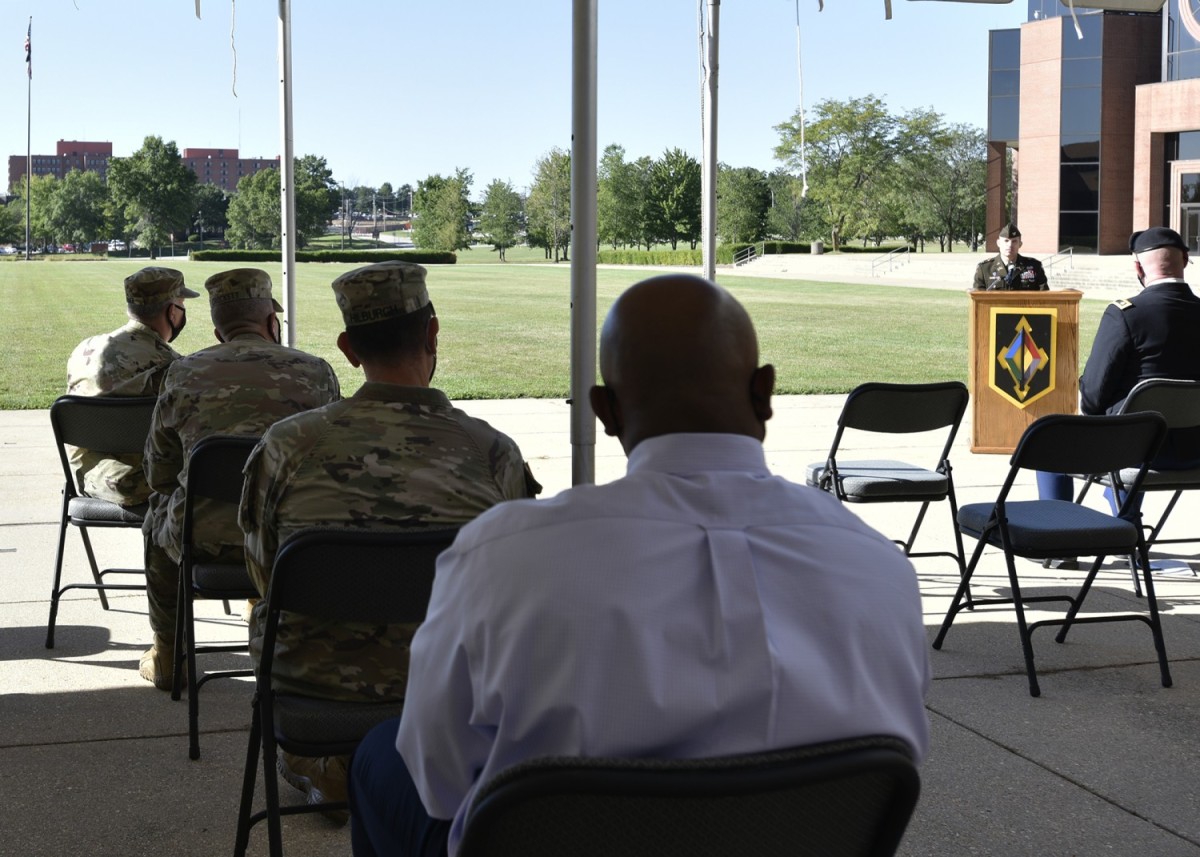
679	354
1161	263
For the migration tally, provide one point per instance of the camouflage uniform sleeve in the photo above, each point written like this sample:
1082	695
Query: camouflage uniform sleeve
512	471
268	472
163	460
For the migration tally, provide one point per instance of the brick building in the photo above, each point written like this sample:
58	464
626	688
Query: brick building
1104	130
221	167
69	155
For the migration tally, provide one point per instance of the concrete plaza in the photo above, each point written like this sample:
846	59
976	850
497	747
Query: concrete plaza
1104	762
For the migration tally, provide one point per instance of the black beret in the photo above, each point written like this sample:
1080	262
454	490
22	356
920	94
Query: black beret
1153	238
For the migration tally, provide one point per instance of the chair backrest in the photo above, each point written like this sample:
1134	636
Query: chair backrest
851	797
102	424
342	575
1177	401
904	408
1062	443
214	470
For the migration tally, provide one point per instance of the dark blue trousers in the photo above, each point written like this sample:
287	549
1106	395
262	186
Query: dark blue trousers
387	816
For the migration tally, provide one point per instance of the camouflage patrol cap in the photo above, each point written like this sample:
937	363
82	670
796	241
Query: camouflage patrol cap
154	285
381	291
240	284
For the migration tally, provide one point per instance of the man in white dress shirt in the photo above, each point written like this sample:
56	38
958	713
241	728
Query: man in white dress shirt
697	607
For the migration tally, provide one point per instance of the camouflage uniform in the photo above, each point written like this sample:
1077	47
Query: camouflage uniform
130	361
238	387
391	456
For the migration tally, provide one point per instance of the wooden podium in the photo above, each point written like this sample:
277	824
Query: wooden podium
1024	352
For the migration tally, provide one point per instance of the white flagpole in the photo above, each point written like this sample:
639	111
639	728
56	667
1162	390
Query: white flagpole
28	130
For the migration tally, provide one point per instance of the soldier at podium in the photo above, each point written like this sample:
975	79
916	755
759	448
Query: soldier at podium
1010	271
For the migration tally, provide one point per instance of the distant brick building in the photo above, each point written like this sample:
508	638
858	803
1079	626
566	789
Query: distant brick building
223	167
71	155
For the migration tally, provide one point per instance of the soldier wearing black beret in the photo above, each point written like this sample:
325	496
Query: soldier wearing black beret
1150	335
1010	271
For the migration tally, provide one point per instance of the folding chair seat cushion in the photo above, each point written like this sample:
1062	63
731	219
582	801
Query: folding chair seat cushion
1053	528
1161	480
305	723
90	510
883	479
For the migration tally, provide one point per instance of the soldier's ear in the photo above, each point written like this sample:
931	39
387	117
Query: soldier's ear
343	344
431	334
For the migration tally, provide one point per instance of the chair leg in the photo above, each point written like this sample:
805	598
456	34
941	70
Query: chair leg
248	776
963	590
1160	645
58	562
271	786
91	555
912	536
181	638
189	630
958	541
1153	537
1022	626
1077	601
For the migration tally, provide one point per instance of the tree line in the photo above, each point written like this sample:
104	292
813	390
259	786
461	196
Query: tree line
863	174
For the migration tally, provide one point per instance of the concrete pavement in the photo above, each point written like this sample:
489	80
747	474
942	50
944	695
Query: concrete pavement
95	760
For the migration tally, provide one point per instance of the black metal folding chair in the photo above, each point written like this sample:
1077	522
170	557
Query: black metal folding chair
850	798
215	475
107	425
898	409
1050	529
1179	404
377	577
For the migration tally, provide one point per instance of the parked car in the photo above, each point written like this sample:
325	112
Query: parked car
68	248
116	245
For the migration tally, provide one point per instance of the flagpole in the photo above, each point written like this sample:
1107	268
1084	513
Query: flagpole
28	129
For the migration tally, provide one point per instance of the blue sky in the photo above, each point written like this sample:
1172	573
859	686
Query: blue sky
393	90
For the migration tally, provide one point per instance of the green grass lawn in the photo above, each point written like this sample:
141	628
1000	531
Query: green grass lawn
506	327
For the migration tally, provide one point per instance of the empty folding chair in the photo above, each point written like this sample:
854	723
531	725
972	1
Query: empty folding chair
898	409
1049	529
107	425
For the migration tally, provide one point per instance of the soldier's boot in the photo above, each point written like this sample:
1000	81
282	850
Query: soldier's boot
322	779
157	665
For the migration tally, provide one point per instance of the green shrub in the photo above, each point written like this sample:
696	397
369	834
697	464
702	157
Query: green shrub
365	257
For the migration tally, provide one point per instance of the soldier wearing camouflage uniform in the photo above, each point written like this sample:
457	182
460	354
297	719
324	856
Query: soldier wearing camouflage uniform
240	386
394	455
130	361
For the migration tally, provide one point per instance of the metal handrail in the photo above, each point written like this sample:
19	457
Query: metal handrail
890	259
1067	255
748	254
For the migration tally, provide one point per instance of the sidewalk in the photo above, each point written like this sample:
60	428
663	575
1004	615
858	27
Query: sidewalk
1104	761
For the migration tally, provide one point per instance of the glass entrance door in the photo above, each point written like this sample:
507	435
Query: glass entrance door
1189	220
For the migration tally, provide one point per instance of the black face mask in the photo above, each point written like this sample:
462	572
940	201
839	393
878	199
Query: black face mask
278	332
175	331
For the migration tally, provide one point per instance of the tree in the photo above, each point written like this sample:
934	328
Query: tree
254	212
404	199
10	222
850	145
41	202
743	199
155	189
646	223
502	219
944	170
548	209
441	212
675	198
317	197
793	216
212	210
77	206
616	202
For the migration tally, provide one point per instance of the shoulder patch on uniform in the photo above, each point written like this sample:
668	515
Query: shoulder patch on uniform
1122	304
